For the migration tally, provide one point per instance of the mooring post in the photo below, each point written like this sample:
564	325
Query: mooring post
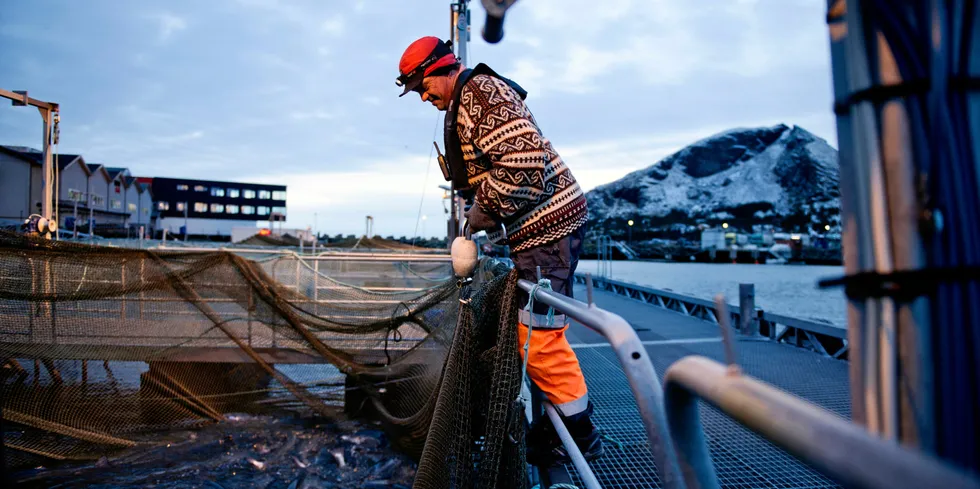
747	324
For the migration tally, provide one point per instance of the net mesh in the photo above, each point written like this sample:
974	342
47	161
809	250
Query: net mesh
102	348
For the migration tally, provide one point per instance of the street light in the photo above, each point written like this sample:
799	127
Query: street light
826	227
724	225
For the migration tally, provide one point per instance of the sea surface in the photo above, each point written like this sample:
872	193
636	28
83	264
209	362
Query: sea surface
789	290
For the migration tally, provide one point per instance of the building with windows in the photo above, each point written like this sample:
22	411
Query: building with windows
110	201
84	194
212	208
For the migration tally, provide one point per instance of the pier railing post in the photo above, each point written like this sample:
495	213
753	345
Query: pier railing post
748	323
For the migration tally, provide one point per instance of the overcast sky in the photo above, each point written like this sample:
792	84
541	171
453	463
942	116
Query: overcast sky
302	92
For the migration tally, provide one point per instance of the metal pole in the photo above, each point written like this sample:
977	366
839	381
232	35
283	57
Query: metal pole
297	273
834	446
462	30
47	173
748	325
584	471
637	366
74	221
187	229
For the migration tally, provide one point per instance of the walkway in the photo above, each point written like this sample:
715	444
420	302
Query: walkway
742	459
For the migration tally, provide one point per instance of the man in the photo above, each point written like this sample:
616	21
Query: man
499	159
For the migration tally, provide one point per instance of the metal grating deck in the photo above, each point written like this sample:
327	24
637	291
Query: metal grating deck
742	459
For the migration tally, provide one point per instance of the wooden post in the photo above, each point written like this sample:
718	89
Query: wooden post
746	308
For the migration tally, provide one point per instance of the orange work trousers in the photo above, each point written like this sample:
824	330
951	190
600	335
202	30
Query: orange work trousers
553	367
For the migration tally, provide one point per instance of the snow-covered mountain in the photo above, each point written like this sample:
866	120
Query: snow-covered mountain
776	175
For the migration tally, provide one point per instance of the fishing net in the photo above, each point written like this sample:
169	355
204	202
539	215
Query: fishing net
104	348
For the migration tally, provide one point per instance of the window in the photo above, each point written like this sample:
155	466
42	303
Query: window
265	194
249	194
163	206
98	200
263	210
146	211
247	209
182	187
200	207
200	188
278	195
116	204
181	205
280	210
217	208
217	192
117	186
76	195
131	207
233	193
231	209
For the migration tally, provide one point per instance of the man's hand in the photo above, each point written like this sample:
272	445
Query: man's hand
479	220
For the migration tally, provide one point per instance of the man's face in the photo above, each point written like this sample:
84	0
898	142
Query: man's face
436	90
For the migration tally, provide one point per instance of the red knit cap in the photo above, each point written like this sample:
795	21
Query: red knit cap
429	51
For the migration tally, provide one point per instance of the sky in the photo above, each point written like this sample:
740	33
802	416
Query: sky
301	93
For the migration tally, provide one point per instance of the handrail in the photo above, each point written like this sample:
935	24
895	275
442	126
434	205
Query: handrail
832	445
777	327
636	365
338	256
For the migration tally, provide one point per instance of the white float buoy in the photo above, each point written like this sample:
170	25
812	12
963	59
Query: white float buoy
465	257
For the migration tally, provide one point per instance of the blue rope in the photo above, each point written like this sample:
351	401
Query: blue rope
529	307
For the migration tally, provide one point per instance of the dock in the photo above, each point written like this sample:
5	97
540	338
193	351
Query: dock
742	459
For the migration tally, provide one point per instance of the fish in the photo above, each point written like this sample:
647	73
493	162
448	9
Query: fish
338	455
385	469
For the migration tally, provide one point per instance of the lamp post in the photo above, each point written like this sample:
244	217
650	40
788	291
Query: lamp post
629	230
424	217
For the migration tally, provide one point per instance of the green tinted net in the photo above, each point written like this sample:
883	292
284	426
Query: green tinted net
102	349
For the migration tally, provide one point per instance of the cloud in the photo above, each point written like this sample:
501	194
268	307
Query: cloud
662	42
179	138
616	86
169	24
334	26
314	114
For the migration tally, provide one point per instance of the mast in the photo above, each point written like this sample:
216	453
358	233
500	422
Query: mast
459	34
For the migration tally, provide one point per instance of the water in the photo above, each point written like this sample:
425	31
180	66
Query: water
790	290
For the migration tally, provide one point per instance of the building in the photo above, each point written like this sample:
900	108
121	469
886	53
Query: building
82	191
209	208
20	184
110	201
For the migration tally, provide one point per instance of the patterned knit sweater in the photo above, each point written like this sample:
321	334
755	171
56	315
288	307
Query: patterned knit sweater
517	175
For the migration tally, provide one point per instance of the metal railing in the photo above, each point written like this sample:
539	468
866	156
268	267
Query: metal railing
824	338
640	374
137	322
604	249
832	445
